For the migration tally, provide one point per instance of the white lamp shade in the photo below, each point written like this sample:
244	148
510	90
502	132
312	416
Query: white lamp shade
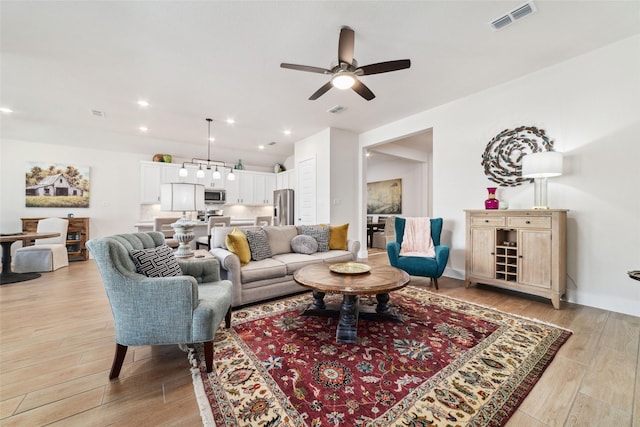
181	197
542	165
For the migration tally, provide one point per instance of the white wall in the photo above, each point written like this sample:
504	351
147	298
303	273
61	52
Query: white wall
114	194
344	179
414	182
589	106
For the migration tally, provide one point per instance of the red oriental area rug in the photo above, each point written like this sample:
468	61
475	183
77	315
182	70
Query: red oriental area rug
447	363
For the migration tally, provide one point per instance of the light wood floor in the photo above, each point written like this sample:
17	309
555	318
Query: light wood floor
57	345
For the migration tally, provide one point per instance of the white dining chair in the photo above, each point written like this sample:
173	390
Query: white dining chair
47	254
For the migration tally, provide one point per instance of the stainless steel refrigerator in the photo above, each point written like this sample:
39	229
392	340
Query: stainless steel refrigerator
283	207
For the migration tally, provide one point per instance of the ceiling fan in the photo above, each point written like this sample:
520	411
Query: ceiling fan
345	74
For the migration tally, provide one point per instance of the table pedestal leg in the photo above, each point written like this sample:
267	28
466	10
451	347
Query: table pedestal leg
383	300
348	323
318	300
7	275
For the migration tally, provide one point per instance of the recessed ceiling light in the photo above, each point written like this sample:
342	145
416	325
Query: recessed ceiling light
260	147
143	129
287	132
142	103
6	110
230	121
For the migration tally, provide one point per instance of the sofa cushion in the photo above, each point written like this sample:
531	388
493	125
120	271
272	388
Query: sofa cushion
295	262
333	256
265	269
258	244
237	243
338	236
320	233
156	262
280	238
303	244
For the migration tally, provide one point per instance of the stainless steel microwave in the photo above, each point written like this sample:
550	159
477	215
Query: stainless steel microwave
215	196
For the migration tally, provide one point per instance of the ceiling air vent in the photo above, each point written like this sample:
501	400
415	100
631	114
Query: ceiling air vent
522	11
517	13
337	109
501	22
97	113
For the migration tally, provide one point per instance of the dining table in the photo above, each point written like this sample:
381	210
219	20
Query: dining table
6	240
372	227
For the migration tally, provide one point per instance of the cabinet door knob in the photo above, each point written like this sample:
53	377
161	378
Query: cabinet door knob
527	222
493	253
486	220
519	256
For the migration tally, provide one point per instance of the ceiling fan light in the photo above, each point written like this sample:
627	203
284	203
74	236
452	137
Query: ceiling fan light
216	173
343	81
200	173
183	172
231	176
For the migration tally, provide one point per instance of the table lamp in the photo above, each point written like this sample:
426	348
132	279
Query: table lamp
541	166
182	197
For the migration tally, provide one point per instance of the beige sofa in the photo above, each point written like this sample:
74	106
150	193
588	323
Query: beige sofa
271	277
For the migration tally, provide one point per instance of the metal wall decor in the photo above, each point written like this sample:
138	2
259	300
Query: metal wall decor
502	159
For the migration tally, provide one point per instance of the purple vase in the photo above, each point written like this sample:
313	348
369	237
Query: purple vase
491	202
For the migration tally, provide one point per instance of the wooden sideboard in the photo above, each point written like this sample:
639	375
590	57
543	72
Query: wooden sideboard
522	250
77	236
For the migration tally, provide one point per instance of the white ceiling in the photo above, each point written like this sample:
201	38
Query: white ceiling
219	59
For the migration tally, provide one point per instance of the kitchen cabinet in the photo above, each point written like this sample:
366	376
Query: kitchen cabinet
286	180
150	179
521	250
77	236
251	188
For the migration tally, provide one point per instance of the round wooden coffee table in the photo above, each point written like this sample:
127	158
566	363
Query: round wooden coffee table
379	281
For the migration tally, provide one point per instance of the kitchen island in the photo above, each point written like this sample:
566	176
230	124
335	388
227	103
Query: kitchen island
199	230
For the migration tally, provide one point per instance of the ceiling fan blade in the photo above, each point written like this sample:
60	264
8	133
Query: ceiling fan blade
345	45
362	90
305	68
383	67
317	94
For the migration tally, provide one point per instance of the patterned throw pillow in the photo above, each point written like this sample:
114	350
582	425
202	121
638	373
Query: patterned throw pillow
259	245
302	244
318	232
156	262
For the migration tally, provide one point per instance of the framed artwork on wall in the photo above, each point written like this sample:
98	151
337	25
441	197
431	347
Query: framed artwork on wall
384	197
56	185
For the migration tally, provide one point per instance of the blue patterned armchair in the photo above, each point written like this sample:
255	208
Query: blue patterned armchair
419	266
181	309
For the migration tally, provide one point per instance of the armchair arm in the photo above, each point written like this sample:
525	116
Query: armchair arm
442	256
204	270
393	252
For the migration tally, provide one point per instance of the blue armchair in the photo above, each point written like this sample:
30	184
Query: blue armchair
419	266
160	310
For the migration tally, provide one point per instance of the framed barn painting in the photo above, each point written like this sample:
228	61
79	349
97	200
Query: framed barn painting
56	185
384	197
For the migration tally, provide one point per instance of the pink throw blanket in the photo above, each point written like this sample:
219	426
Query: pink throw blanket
417	238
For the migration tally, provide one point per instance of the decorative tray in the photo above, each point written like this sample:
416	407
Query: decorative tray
350	268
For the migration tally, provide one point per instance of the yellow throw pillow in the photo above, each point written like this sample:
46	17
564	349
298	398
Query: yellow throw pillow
237	243
338	237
